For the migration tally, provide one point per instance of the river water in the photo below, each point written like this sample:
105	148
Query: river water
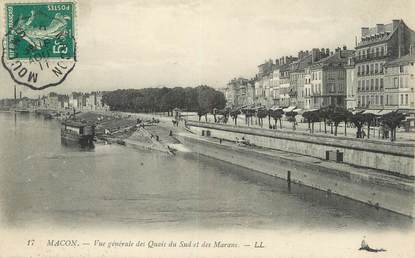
43	182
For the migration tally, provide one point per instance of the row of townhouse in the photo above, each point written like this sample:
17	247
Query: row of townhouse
75	100
377	74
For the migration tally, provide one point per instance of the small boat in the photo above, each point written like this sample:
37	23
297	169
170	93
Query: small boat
48	116
120	142
22	110
78	132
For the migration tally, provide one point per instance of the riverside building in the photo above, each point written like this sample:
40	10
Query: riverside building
328	79
379	45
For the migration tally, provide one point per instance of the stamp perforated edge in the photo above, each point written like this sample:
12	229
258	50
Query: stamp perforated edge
3	30
3	9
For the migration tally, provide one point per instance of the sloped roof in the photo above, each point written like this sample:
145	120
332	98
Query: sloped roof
299	65
386	36
339	57
402	60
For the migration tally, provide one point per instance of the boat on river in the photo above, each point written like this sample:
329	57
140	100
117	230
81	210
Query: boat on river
77	132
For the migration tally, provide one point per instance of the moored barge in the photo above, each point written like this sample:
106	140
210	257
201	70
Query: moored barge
77	132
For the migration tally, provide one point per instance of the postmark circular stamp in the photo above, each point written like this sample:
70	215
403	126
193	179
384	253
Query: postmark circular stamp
39	47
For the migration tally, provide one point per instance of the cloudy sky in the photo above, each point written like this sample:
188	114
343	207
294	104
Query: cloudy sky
150	43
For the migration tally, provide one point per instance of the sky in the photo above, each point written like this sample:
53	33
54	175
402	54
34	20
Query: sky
152	43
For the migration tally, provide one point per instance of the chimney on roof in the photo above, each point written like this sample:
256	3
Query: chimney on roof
380	28
300	54
327	52
338	49
277	62
395	24
365	31
344	47
315	55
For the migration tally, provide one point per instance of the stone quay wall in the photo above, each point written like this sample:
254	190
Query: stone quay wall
392	158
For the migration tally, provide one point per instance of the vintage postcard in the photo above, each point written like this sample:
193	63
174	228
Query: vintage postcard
207	128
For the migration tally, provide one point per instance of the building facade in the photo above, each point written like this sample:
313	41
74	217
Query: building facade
328	79
400	83
378	46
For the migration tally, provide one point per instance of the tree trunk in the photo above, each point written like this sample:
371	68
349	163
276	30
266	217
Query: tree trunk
280	123
312	127
345	129
325	126
368	131
335	129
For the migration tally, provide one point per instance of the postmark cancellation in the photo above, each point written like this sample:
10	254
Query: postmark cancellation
39	45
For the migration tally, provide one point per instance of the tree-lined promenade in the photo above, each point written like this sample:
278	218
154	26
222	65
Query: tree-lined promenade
204	100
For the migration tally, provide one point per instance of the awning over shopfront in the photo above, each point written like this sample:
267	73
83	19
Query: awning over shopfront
354	112
298	111
289	109
385	111
273	108
371	111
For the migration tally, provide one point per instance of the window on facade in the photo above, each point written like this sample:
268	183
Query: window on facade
387	99
381	83
371	84
371	69
401	84
381	100
376	68
363	101
406	99
367	69
377	51
358	85
376	83
395	82
381	67
401	69
358	70
376	99
382	52
367	85
401	99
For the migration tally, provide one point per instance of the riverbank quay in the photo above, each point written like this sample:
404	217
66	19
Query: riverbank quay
135	130
386	157
302	126
365	185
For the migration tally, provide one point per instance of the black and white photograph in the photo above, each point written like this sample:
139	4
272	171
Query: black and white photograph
207	128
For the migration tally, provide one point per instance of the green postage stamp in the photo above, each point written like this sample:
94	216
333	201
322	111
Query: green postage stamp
39	45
